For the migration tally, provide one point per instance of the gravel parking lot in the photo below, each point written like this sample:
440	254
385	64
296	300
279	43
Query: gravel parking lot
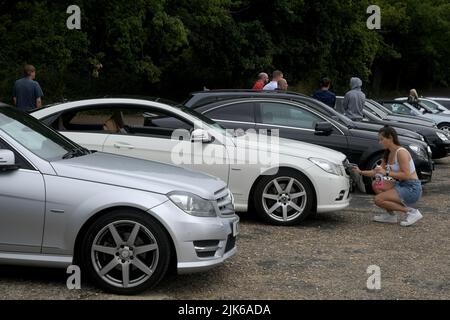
325	258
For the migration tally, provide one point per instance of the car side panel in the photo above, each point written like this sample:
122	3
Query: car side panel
71	202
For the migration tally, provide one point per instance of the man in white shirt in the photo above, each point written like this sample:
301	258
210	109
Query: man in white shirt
273	85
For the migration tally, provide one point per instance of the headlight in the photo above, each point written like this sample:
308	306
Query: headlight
442	136
421	152
192	204
327	166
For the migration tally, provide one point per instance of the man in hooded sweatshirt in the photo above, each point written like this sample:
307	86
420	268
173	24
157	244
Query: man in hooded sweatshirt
354	100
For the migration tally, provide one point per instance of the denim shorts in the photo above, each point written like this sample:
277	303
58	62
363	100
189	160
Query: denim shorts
409	191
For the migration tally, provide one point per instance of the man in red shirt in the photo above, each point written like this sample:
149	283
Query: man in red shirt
263	78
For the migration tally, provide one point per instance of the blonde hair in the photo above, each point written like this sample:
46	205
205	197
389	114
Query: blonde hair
413	92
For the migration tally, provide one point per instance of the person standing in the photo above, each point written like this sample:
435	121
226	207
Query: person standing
354	100
398	195
413	98
27	93
273	85
324	94
263	78
282	85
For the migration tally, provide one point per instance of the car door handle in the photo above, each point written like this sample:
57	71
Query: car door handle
120	145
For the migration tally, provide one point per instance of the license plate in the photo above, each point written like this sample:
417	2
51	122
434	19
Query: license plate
235	228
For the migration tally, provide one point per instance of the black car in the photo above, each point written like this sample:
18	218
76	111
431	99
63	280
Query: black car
384	113
296	120
438	140
374	120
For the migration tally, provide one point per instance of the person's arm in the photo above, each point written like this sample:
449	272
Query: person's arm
371	173
38	94
14	95
345	102
404	172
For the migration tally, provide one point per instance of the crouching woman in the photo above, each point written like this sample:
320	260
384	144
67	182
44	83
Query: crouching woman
402	193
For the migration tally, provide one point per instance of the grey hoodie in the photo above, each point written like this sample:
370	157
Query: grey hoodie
354	100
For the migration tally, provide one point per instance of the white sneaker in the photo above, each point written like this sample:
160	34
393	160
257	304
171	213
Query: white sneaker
386	218
413	216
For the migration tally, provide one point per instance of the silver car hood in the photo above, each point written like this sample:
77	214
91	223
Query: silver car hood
138	174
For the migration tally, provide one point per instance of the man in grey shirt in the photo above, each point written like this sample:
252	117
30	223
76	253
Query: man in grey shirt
354	100
27	93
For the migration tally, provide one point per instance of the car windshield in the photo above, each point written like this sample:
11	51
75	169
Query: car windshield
382	111
428	109
36	137
339	117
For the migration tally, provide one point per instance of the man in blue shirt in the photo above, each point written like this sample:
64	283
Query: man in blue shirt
324	94
27	93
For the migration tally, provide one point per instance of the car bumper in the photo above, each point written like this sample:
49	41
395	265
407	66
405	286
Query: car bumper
333	192
200	243
424	170
441	149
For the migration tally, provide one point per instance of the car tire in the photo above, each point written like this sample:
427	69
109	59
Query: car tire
444	126
125	252
284	199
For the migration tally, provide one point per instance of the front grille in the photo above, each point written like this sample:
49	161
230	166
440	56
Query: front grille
231	243
224	202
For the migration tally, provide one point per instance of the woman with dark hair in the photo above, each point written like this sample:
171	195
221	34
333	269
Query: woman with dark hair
405	190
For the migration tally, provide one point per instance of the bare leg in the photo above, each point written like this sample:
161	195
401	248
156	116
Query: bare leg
390	201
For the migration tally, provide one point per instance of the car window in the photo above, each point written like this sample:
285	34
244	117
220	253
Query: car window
236	112
94	119
430	105
149	121
288	115
34	135
400	109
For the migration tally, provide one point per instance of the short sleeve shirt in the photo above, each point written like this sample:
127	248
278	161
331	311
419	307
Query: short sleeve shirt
26	91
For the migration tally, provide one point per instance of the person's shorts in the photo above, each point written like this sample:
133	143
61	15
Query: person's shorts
409	191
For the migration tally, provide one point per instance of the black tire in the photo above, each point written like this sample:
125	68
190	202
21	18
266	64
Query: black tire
149	233
299	186
444	126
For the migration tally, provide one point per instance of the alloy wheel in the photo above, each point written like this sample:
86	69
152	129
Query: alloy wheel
284	199
125	254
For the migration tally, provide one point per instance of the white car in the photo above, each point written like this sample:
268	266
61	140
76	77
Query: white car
305	178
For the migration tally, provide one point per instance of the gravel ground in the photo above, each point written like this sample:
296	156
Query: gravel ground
325	258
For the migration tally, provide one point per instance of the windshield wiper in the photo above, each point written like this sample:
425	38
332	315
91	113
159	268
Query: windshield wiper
76	152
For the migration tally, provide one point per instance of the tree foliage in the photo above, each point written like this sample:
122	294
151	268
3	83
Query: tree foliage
170	47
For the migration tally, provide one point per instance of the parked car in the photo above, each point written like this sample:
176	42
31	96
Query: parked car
306	179
441	119
385	114
431	104
298	121
438	140
217	95
442	101
123	220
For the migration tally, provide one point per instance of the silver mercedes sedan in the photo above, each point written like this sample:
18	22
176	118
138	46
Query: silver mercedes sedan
123	221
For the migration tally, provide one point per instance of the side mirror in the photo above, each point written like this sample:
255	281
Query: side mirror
7	161
201	135
323	129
